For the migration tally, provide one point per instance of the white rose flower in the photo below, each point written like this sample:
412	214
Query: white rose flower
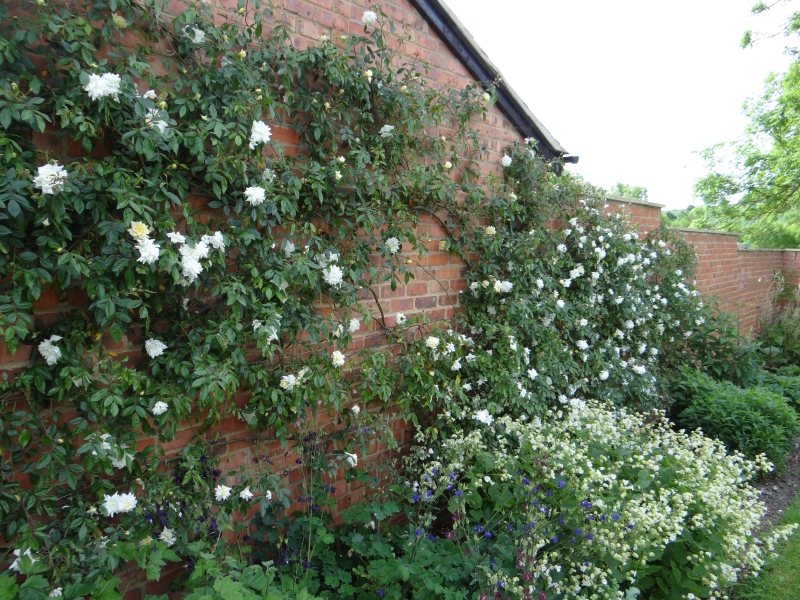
333	275
49	351
255	195
119	503
603	375
103	86
159	408
168	536
393	245
337	359
506	162
352	459
288	249
138	231
288	382
50	178
196	36
532	373
222	492
490	230
56	592
432	342
456	365
582	345
400	318
484	417
260	134
148	251
368	18
354	326
246	494
356	409
154	348
176	238
386	131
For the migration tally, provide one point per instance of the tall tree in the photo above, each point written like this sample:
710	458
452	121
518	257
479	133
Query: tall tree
753	183
629	191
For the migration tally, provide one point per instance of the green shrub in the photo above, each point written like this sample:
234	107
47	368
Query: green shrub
787	386
752	421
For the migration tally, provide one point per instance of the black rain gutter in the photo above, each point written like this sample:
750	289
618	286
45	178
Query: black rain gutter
464	46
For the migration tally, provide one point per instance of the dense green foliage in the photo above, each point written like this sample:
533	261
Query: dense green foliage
752	421
629	191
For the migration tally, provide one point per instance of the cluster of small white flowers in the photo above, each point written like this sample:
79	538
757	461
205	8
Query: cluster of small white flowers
191	267
148	249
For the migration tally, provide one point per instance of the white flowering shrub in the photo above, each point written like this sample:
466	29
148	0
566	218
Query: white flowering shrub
591	503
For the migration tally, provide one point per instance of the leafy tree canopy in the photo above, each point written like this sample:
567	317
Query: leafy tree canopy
629	191
753	183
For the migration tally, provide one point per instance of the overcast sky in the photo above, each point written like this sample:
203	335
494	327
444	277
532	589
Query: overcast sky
633	87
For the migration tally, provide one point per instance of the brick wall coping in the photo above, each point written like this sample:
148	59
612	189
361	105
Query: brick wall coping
450	29
624	200
711	231
769	250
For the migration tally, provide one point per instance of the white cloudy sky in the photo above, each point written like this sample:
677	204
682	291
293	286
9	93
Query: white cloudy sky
633	87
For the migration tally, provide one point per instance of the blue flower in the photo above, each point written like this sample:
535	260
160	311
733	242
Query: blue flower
452	476
478	528
429	494
432	537
381	593
589	537
526	481
548	493
419	532
586	504
415	497
603	517
630	526
578	532
487	535
615	516
590	517
458	493
561	483
501	584
560	521
449	487
436	471
554	539
510	527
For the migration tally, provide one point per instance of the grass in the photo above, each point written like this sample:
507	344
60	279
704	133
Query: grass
780	579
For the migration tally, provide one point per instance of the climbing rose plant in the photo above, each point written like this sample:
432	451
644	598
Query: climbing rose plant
241	268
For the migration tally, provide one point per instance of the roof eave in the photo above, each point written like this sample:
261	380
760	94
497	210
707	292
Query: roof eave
464	46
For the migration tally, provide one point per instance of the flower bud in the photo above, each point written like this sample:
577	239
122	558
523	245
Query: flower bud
242	54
